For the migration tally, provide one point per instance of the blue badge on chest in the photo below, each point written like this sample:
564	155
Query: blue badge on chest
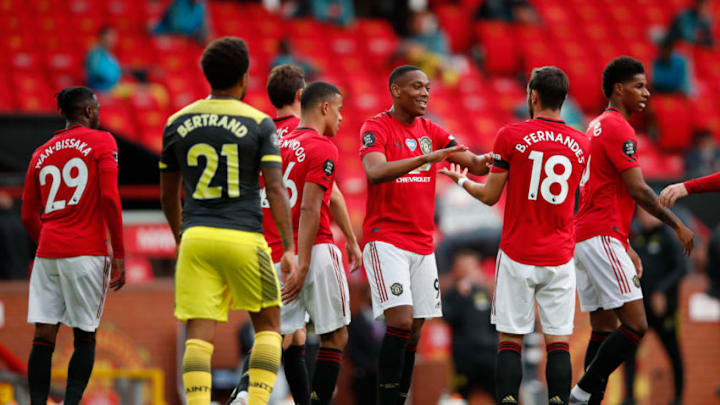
411	144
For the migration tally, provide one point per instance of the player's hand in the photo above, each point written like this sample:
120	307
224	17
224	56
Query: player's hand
658	304
118	274
456	172
672	193
354	255
293	285
636	261
288	265
488	159
686	237
442	154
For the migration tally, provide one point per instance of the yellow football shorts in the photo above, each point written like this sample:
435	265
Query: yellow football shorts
216	265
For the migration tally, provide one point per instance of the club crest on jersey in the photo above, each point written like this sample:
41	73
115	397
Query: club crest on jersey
411	144
368	139
396	289
329	167
115	156
426	145
636	281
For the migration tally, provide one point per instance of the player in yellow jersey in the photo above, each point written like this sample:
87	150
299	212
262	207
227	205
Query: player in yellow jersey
214	148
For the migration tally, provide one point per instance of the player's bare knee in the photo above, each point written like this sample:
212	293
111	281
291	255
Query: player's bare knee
267	319
46	332
510	337
336	339
400	317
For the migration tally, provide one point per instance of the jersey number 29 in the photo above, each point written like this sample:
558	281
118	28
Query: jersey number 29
79	181
550	177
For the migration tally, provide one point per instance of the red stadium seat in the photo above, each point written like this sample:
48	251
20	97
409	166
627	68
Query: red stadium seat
499	45
672	115
457	25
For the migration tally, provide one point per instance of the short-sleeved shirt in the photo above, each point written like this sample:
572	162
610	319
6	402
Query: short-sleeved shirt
218	145
606	208
284	125
308	157
545	160
401	211
64	174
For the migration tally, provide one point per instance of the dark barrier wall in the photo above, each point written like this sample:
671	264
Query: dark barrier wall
21	134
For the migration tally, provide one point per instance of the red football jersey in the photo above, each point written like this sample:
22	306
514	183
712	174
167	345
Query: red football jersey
63	180
545	160
284	126
606	208
400	212
308	157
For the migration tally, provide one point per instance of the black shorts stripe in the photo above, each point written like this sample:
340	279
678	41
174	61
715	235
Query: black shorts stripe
270	289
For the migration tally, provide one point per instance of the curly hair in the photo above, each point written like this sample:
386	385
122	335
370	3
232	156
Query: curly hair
620	70
225	61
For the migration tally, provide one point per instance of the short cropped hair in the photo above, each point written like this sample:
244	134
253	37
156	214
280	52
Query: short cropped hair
283	83
224	62
620	70
72	100
399	71
551	85
317	92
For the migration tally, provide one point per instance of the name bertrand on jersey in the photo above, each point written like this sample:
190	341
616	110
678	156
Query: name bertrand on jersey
212	120
540	136
81	146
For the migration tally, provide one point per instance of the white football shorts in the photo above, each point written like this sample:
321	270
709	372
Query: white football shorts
325	295
399	277
518	286
69	290
606	277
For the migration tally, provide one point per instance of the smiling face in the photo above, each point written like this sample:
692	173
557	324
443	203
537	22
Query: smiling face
635	94
411	92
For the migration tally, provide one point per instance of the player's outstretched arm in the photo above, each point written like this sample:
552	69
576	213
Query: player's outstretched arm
170	185
339	212
646	198
478	165
112	212
489	193
31	206
705	184
379	170
307	231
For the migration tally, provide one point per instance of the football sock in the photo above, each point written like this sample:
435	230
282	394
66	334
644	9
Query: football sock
508	372
264	366
196	371
297	374
39	371
80	367
407	372
620	345
558	372
245	375
596	339
327	369
390	364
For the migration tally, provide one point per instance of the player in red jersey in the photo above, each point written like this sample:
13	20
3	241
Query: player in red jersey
542	161
285	85
319	287
706	184
70	197
607	283
398	154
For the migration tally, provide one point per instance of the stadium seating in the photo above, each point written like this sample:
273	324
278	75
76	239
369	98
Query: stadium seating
39	57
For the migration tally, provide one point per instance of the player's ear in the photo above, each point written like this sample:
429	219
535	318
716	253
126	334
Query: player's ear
244	80
298	95
395	90
620	88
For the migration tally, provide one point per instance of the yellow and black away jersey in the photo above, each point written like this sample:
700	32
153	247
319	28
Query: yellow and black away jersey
218	145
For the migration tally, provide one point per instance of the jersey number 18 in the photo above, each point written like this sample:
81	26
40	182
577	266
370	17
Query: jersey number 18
550	177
